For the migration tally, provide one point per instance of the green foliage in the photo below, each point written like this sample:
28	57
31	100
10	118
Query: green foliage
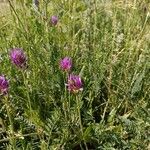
109	44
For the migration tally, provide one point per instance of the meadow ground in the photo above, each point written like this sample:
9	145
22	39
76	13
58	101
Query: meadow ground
75	75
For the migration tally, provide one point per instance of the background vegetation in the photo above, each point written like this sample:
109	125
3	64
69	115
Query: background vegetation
109	42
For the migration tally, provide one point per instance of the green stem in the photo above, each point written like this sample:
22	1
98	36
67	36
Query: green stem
27	93
12	138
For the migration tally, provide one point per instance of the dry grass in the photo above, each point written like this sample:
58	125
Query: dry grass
4	14
4	8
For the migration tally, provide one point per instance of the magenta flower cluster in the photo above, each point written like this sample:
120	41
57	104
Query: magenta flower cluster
3	85
74	82
66	64
54	20
18	57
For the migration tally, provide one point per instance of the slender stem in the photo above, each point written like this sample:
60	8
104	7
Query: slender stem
105	109
27	93
65	97
79	115
80	121
12	139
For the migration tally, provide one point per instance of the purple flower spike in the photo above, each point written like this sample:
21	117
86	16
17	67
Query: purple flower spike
3	85
54	20
74	83
18	57
66	64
